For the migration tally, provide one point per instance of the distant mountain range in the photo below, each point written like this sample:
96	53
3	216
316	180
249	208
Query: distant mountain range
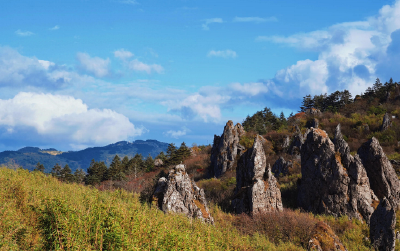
28	157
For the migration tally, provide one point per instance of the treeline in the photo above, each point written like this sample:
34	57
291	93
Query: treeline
119	169
338	99
264	121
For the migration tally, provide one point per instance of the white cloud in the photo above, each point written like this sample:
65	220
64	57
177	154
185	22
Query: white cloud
255	19
65	118
351	55
178	133
123	54
210	21
136	65
223	54
55	28
98	66
250	89
24	33
17	70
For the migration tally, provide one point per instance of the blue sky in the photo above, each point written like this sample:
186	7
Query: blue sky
82	73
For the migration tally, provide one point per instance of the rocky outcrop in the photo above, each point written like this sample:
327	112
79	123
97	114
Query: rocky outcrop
313	112
286	143
281	167
297	142
360	194
327	187
312	123
179	194
386	123
382	232
226	148
381	174
256	188
324	239
158	162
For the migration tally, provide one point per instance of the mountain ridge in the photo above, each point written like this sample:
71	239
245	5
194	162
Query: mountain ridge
27	157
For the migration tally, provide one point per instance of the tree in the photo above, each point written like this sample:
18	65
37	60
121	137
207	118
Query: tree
115	172
149	163
66	174
161	156
79	175
307	103
96	173
171	154
56	171
39	168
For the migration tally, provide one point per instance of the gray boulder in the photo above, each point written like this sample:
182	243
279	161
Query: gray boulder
281	167
327	187
256	188
386	123
382	228
226	148
179	194
381	174
313	112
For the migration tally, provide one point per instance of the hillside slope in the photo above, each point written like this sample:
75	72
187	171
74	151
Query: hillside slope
28	157
39	213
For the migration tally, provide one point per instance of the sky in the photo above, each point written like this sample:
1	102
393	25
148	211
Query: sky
84	73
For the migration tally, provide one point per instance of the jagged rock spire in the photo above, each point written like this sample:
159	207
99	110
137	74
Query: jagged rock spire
226	148
256	188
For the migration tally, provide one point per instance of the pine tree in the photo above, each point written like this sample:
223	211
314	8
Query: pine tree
161	156
79	175
96	173
39	168
115	172
66	174
149	163
56	171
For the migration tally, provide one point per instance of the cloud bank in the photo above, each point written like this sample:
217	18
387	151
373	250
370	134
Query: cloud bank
62	118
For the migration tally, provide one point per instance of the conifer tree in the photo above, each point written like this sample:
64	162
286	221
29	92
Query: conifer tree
39	168
56	171
79	175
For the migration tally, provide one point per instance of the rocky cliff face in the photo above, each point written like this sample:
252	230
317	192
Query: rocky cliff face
383	222
179	194
360	193
226	148
382	176
386	123
256	189
327	187
281	167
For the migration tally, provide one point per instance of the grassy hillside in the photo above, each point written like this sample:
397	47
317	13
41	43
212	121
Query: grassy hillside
38	212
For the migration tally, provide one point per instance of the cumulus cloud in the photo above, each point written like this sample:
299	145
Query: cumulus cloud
55	28
223	54
351	55
178	133
17	70
210	21
95	65
63	118
250	89
24	33
123	54
256	20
